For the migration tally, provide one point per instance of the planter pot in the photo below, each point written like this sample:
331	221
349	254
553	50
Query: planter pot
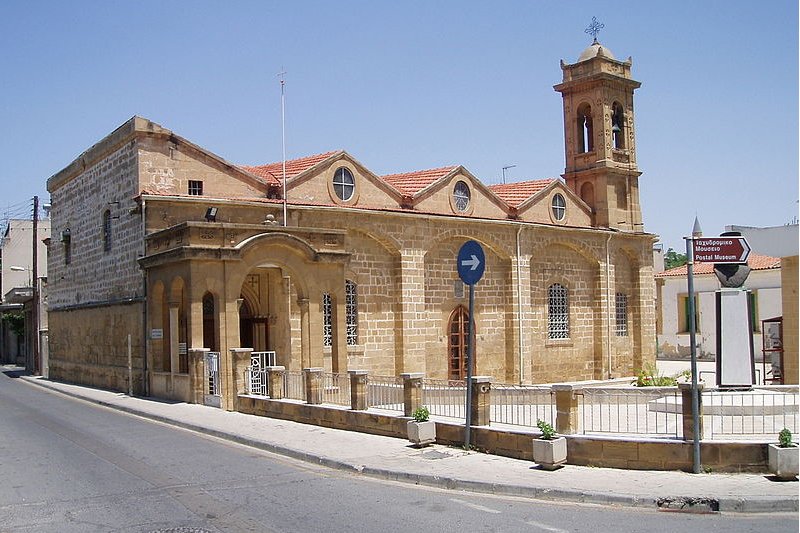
421	433
783	461
550	454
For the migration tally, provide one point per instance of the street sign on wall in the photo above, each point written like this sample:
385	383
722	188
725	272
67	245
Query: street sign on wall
720	250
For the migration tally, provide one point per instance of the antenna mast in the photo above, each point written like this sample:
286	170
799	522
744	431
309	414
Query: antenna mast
283	143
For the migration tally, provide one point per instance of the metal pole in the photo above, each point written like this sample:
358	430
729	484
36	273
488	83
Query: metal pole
692	332
283	147
470	355
130	367
34	366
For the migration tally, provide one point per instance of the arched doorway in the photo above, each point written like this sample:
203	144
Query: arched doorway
246	322
458	344
209	323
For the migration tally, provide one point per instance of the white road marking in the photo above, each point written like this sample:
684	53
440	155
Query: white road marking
476	506
546	527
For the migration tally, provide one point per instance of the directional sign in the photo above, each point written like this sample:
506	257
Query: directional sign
471	262
721	250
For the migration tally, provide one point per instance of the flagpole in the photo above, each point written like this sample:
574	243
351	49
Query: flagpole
283	144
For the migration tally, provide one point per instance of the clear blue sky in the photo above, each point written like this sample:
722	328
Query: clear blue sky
415	84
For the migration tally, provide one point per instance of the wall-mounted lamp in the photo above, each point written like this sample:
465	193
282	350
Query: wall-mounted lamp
211	214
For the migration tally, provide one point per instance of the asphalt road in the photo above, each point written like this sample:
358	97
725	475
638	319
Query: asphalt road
68	465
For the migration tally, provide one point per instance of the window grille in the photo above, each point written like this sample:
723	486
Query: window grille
327	322
351	312
461	196
195	188
622	314
557	312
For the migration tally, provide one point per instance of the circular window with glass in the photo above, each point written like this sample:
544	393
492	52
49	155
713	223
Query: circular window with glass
559	207
461	196
343	184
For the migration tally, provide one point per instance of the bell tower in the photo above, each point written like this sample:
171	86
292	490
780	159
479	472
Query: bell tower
599	138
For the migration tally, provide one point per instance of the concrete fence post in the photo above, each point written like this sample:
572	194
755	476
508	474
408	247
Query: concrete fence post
686	409
312	379
275	381
412	391
566	408
358	390
239	361
481	390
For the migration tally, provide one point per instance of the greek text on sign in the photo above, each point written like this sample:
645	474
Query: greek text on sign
721	250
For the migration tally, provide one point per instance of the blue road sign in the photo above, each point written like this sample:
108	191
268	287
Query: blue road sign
471	262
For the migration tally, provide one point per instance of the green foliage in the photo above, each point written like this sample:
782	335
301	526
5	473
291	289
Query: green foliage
421	414
16	321
673	259
648	377
548	433
785	438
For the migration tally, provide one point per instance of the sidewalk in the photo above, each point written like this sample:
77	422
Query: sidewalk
453	468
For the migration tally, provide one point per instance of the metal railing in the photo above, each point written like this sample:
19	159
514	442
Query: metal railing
759	413
651	411
293	386
385	392
336	389
444	397
522	405
262	359
255	381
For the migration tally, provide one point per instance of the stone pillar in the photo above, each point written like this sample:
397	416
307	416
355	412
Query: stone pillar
174	361
566	408
686	409
305	334
411	337
312	378
358	390
481	390
198	376
275	381
412	391
239	361
523	329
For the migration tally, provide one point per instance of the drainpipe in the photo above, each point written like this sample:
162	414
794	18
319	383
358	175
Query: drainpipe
519	307
145	381
608	303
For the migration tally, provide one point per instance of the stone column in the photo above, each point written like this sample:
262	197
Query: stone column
566	408
239	361
412	391
412	334
305	333
275	381
686	409
174	332
481	390
358	390
198	376
312	378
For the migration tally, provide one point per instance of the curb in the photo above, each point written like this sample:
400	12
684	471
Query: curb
670	503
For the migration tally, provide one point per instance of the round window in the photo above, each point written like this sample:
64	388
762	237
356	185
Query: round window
343	184
461	196
559	206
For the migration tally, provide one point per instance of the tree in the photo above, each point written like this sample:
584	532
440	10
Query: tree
16	322
673	259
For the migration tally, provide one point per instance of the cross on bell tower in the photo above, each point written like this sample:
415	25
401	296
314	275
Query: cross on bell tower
599	141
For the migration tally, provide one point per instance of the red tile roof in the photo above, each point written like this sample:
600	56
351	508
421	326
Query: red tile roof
514	194
411	183
272	173
755	261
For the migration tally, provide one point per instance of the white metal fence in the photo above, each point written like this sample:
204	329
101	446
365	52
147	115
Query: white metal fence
522	405
651	411
444	397
760	413
293	387
385	392
336	389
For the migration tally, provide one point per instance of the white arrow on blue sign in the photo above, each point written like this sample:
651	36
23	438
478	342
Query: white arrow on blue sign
471	262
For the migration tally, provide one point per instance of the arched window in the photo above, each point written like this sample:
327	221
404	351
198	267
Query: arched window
621	306
351	312
557	312
458	344
107	230
344	184
584	129
618	125
327	320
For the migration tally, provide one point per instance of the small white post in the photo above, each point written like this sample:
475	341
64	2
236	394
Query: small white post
130	367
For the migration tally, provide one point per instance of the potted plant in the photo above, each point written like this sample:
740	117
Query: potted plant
549	451
421	431
783	456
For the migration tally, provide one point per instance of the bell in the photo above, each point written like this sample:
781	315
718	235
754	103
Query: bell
615	128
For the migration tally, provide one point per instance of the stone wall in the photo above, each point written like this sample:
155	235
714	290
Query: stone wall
789	288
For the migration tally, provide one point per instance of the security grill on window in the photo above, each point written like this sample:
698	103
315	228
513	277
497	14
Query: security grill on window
621	305
195	188
557	312
351	312
327	320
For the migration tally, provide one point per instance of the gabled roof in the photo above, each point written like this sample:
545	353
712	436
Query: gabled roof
754	261
272	173
515	194
410	183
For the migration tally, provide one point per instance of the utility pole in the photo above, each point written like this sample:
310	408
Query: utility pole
34	357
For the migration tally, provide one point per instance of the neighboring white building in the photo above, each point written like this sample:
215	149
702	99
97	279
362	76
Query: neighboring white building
16	281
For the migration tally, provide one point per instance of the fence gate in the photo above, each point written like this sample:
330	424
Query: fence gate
212	395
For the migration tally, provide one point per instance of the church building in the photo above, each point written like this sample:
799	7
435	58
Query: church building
160	247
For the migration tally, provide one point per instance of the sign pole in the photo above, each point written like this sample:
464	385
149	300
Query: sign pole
692	334
470	357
